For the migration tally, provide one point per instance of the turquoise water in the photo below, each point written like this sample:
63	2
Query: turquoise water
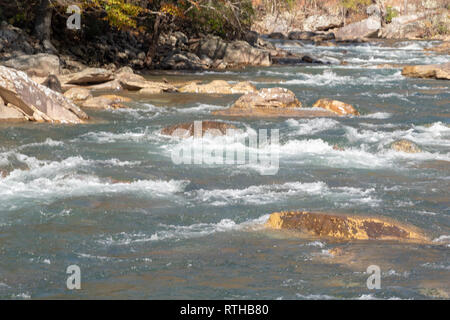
107	197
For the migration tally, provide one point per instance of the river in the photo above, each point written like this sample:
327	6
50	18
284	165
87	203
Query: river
107	197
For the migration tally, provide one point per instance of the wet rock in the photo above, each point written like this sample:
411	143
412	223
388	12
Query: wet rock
88	76
405	146
363	29
41	65
322	22
78	94
296	59
109	101
344	227
53	83
436	71
37	102
186	130
219	87
338	107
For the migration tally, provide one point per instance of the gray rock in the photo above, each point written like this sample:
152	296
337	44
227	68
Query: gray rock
37	102
363	29
41	65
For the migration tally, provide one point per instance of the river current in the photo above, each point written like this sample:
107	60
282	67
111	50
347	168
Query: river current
107	197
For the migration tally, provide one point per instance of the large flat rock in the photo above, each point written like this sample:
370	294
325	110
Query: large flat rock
435	71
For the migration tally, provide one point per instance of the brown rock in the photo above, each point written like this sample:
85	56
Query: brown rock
338	107
78	94
186	130
219	87
405	146
41	65
444	48
268	98
37	102
88	76
106	102
436	71
10	113
344	227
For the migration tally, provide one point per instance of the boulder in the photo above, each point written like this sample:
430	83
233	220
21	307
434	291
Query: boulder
88	76
268	98
435	71
41	65
236	53
240	53
344	227
183	61
338	107
197	128
108	101
363	29
53	83
219	87
78	94
404	145
37	102
272	102
322	22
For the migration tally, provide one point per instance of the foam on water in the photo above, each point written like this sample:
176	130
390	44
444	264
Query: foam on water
180	232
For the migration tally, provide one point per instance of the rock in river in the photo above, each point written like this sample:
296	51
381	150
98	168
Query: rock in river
344	227
108	101
270	102
219	87
436	71
189	129
37	102
338	107
405	146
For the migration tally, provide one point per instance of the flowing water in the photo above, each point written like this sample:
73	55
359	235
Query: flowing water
106	196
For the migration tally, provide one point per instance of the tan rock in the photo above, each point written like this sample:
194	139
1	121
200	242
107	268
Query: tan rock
436	71
87	76
219	87
268	98
40	65
444	48
405	146
106	102
10	113
344	227
37	102
78	94
338	107
272	103
186	130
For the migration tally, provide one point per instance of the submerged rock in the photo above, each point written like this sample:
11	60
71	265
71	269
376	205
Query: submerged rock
109	101
186	130
344	227
405	146
219	87
338	107
37	102
436	71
